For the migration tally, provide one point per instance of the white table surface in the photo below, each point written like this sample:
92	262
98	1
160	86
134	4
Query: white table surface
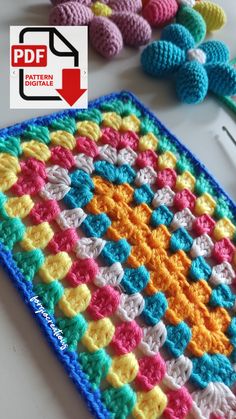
32	382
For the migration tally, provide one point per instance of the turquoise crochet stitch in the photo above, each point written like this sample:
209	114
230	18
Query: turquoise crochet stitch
197	69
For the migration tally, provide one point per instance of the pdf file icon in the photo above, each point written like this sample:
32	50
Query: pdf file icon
29	55
48	67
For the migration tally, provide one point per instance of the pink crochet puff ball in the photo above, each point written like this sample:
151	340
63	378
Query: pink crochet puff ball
112	23
160	12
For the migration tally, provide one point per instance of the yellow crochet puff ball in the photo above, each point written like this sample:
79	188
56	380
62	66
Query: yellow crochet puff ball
212	13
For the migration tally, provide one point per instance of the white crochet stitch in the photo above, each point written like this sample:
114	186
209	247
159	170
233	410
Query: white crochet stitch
71	218
222	274
58	183
126	156
183	218
189	3
197	54
164	196
89	247
130	306
108	153
84	162
111	275
202	246
147	175
178	372
215	398
58	175
55	191
153	339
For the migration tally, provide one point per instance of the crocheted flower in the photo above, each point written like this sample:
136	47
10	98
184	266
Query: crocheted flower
196	15
111	23
197	70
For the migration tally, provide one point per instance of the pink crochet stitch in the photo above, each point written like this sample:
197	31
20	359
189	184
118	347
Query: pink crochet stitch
112	24
82	272
110	136
63	241
62	156
45	211
146	158
203	225
160	12
104	302
86	146
166	177
126	338
184	199
151	372
31	166
179	404
223	250
85	2
129	139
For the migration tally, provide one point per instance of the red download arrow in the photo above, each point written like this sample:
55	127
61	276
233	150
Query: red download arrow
71	90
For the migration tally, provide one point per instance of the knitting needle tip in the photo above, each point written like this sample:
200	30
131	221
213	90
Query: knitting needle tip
229	135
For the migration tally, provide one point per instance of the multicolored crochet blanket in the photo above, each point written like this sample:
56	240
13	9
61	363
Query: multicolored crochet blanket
123	247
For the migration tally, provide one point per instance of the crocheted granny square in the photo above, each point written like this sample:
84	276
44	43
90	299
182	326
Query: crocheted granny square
123	247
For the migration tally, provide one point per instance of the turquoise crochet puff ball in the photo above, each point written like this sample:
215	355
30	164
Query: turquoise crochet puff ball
196	69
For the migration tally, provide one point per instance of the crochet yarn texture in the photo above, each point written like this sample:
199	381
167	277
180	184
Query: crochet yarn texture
127	245
196	69
230	101
111	24
196	15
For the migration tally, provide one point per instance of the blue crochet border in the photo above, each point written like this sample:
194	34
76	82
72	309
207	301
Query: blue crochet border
69	359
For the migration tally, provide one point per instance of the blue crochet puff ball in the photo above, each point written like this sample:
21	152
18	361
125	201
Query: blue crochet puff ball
196	69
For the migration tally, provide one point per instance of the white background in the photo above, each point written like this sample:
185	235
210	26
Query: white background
32	382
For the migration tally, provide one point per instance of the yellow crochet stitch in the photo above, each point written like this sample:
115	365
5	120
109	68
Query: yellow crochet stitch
224	228
63	138
130	123
123	370
150	405
185	181
19	207
112	120
9	163
37	236
89	129
98	335
8	179
205	204
148	142
167	160
100	9
36	149
55	267
75	300
9	167
213	15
